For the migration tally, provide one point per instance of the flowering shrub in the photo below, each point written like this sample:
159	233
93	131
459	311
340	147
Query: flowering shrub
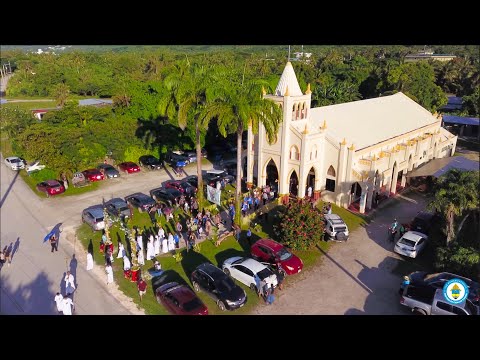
178	257
300	226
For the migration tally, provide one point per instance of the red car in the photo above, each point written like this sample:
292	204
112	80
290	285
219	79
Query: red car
182	186
180	300
93	175
51	187
272	252
129	167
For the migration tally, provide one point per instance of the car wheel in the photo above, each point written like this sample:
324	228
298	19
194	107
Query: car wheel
196	287
221	305
419	312
253	287
226	271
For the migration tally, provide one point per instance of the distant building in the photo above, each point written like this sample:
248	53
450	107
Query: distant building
428	55
95	102
454	103
301	56
461	125
39	113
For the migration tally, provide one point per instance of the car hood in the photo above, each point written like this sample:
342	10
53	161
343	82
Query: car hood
293	262
111	172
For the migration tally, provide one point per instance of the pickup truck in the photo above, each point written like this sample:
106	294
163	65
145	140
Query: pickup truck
426	300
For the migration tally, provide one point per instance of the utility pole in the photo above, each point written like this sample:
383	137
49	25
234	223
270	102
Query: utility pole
288	52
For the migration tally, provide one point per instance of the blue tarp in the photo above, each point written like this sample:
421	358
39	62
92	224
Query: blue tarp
452	119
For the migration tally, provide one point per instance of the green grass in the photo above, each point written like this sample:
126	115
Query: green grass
174	271
32	183
31	105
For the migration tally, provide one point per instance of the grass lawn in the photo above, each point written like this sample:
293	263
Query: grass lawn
173	271
32	183
30	105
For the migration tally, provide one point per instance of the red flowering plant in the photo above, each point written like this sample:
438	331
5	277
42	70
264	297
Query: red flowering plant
300	226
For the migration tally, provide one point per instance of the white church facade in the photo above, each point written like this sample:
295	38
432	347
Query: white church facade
346	152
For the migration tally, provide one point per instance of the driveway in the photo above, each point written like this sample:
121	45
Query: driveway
29	285
354	277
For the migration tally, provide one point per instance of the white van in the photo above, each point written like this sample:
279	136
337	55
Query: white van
335	228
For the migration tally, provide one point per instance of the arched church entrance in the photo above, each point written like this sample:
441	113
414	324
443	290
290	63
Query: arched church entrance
293	184
272	175
310	182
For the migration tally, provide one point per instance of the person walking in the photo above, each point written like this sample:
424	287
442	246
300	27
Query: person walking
121	251
89	261
6	254
309	192
270	297
249	236
142	288
53	242
59	301
67	305
280	273
69	283
109	271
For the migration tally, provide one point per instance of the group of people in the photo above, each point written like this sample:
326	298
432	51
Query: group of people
266	291
5	256
65	303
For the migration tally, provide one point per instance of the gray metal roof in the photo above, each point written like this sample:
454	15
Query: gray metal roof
85	102
439	167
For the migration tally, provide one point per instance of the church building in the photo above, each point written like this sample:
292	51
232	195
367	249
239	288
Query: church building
346	152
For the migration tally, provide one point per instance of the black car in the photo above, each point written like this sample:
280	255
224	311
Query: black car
438	280
168	196
219	286
141	201
192	180
172	158
108	171
150	162
423	222
117	207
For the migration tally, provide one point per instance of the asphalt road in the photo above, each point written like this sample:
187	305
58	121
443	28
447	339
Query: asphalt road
29	285
355	277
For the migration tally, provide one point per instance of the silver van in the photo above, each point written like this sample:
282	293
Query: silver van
335	228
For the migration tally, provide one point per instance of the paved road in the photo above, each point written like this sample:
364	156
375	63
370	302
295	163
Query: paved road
30	283
354	277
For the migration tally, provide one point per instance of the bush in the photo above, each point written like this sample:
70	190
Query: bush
459	260
300	226
132	153
44	174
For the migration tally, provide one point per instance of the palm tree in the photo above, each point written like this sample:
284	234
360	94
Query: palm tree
456	194
61	92
188	84
239	104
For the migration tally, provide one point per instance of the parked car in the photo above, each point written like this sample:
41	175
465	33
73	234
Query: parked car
108	171
173	158
141	201
411	244
204	153
230	168
244	270
150	162
51	187
169	196
425	300
14	163
128	167
423	222
34	167
335	228
273	252
93	175
220	287
182	186
191	155
118	207
180	300
212	176
438	280
192	180
93	216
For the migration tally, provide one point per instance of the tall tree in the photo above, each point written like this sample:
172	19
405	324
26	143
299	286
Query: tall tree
60	93
239	104
456	195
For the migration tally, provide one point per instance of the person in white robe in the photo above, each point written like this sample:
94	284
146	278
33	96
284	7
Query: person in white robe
141	257
121	251
171	243
126	263
67	306
157	244
161	233
165	244
89	261
58	300
69	283
140	241
150	248
109	271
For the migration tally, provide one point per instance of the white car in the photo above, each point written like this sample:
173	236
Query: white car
34	167
411	244
15	163
244	270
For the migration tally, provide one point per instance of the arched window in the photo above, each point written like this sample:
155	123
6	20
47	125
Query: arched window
294	153
330	179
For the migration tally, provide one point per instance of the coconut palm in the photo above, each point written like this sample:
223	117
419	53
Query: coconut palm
239	104
456	194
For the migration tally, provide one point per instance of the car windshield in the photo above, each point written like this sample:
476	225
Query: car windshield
283	254
15	160
123	208
192	304
407	242
109	167
237	261
264	273
99	219
226	284
54	186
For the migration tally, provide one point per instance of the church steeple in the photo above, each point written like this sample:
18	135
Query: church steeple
288	80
